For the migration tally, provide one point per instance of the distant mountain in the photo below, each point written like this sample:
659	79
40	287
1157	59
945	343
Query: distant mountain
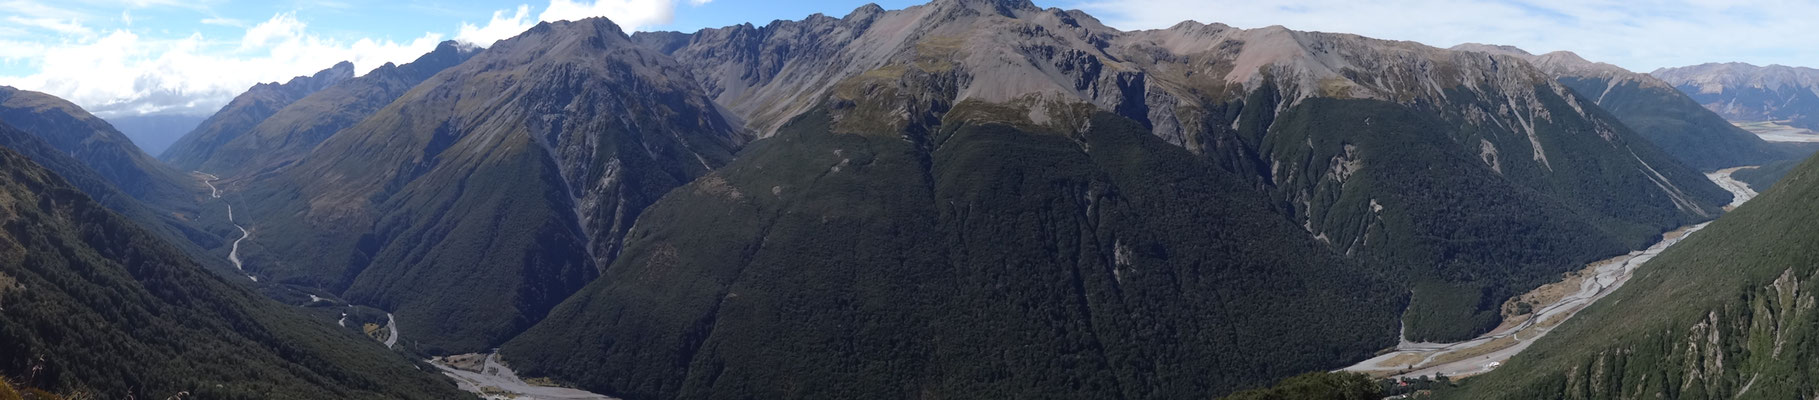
490	192
296	129
91	303
245	112
1727	313
1672	121
1472	145
1748	93
154	133
96	144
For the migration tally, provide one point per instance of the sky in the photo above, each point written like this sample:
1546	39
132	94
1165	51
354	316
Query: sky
135	57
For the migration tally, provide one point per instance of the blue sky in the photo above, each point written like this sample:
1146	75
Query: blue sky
119	57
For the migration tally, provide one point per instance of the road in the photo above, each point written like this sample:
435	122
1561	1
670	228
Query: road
496	381
233	255
1429	359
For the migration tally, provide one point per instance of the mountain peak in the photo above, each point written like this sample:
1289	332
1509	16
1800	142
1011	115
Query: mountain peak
1008	8
1492	49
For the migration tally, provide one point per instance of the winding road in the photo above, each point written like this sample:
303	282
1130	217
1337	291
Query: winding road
233	255
1607	276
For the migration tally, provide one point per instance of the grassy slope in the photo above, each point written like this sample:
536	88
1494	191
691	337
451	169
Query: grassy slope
246	111
89	301
1730	305
291	132
990	262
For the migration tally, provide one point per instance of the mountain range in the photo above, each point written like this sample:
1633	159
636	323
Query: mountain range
1748	93
964	198
1655	109
90	303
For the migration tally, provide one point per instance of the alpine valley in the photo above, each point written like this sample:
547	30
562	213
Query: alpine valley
957	199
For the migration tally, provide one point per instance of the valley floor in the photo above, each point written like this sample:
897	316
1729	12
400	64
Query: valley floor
1552	304
482	374
1776	132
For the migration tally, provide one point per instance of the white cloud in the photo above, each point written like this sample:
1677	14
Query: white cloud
500	27
229	22
630	15
66	27
121	70
123	73
1639	35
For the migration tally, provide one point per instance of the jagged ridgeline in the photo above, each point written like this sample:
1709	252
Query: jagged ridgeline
1728	313
245	112
294	130
1470	176
91	303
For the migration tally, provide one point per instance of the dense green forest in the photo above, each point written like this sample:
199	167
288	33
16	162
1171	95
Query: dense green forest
89	302
1463	233
979	260
1728	313
1317	386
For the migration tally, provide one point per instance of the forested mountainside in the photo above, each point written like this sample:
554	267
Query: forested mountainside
173	228
1096	264
90	303
1748	93
108	167
1223	93
245	112
290	133
1665	116
96	144
1729	313
965	198
481	198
